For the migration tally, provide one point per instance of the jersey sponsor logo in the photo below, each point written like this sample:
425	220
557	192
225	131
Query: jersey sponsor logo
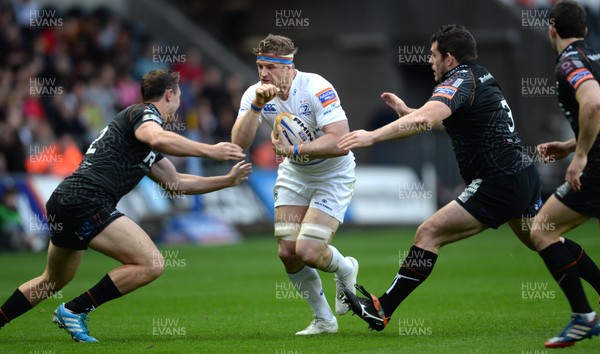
445	91
327	97
470	190
269	108
563	189
578	76
485	78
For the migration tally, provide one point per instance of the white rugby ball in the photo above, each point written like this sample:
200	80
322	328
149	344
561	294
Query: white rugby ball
293	128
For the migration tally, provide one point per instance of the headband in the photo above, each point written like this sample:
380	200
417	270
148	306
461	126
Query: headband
287	59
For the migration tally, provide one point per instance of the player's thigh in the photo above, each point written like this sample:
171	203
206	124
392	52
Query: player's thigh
317	216
552	221
449	224
126	242
290	214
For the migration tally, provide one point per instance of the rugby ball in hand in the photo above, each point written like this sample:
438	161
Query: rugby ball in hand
293	128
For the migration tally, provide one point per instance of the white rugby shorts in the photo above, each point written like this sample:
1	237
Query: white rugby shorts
328	191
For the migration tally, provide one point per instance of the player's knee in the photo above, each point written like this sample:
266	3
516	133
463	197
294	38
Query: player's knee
425	234
287	234
287	251
312	243
539	239
154	267
56	281
309	254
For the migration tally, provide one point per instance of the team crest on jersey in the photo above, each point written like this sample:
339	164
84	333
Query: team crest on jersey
327	97
304	110
578	76
445	91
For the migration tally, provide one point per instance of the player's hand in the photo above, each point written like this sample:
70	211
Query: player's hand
281	146
575	170
552	151
239	173
226	151
357	138
265	93
396	103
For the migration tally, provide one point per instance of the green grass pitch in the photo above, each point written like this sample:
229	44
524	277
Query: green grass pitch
487	294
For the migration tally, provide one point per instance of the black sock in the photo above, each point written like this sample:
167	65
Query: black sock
414	270
588	270
564	269
16	305
100	293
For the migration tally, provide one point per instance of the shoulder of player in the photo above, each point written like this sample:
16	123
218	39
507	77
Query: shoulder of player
311	82
144	112
458	77
575	57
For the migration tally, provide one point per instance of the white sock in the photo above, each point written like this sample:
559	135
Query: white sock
588	316
338	263
308	282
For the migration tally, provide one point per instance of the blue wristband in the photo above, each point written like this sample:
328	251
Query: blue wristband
295	151
255	109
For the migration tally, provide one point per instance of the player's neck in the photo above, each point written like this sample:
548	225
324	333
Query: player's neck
285	92
161	107
561	44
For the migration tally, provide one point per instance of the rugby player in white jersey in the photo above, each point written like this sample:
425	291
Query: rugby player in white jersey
315	182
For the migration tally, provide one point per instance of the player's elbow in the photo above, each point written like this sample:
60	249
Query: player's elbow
341	152
240	140
157	142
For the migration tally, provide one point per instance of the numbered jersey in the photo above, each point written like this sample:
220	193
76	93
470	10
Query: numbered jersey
313	99
481	126
116	161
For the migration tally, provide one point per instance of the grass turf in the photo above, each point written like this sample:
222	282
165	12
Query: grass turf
487	294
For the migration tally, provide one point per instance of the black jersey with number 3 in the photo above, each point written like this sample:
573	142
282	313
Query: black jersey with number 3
116	161
577	64
481	126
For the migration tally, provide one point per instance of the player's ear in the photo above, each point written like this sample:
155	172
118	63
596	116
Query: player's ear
552	31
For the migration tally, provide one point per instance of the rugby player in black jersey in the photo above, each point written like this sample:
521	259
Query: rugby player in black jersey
82	210
503	185
578	199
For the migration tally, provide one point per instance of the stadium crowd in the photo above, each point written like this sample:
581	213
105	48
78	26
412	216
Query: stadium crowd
63	76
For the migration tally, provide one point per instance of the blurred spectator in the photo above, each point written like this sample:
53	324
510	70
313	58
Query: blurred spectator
68	80
13	236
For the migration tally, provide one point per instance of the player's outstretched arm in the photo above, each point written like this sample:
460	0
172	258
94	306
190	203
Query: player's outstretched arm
556	150
174	144
402	109
425	118
588	97
164	173
396	103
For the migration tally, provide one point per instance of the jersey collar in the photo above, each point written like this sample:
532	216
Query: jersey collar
453	71
571	47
